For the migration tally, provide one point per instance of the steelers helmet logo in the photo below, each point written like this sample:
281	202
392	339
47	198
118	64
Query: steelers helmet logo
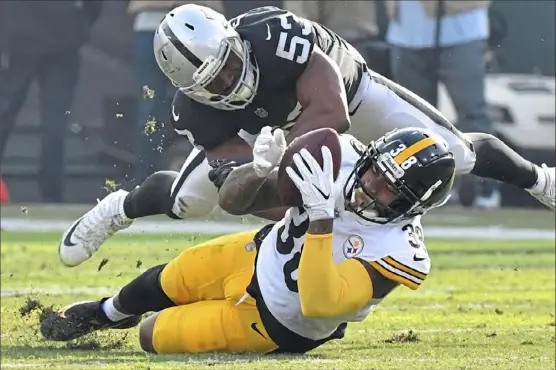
353	246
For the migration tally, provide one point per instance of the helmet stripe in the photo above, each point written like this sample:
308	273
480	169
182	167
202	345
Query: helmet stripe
180	46
413	149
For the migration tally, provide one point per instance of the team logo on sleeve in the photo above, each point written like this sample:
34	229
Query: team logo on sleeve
353	246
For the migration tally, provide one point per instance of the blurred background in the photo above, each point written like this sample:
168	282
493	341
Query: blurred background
83	107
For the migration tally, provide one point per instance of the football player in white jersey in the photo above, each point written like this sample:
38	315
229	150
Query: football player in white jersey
269	67
295	284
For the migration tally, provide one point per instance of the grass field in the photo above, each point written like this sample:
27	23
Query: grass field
486	305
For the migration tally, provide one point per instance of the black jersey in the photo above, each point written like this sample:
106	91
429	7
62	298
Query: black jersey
281	44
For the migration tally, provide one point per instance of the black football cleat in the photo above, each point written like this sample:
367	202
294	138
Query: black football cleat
80	319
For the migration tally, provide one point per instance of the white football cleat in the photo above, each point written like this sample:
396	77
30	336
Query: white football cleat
85	236
546	196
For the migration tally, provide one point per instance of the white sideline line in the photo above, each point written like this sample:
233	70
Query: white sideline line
57	290
224	227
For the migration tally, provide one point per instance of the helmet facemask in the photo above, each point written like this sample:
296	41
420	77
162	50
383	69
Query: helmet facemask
207	88
365	204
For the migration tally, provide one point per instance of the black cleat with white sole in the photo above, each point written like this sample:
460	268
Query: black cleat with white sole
80	319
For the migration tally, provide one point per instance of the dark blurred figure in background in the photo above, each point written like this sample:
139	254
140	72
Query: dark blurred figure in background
355	21
41	40
154	90
422	55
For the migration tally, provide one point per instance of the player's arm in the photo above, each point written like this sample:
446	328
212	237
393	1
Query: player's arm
244	192
252	187
324	288
327	289
321	92
296	60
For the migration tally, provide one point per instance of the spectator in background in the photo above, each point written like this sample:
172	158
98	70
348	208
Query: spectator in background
41	40
153	88
423	55
355	21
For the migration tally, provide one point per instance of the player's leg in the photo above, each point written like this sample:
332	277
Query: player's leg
220	268
207	326
480	154
496	160
188	193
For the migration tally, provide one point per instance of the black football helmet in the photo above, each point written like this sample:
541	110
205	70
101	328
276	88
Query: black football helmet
416	162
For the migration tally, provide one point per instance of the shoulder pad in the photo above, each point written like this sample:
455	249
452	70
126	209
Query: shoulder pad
281	42
403	256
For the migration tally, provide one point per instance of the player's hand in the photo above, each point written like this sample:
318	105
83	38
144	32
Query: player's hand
268	151
316	183
221	169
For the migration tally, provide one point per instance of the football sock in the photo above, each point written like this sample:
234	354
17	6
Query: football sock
496	160
152	197
144	294
111	312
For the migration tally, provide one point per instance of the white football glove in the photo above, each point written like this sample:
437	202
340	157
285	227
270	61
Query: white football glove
268	151
316	184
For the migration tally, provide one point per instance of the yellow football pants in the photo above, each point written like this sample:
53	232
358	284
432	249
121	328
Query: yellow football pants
207	282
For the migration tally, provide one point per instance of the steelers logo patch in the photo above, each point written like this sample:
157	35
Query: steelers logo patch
251	246
353	246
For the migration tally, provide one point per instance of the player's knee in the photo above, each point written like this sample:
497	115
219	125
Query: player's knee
146	333
188	206
193	194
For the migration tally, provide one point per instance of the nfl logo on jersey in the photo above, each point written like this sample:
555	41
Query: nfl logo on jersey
261	112
353	246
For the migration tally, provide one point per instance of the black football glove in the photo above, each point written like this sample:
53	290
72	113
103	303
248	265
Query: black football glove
221	169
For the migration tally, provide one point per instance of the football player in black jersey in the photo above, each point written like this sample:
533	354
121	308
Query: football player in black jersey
268	67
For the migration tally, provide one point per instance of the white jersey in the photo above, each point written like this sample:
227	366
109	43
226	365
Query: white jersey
396	250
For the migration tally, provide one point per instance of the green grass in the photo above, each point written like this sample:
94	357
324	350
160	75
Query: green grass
486	305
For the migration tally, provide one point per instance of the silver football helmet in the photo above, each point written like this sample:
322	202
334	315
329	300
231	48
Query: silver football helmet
203	55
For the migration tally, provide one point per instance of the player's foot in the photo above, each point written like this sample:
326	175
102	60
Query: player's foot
85	236
80	319
547	195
